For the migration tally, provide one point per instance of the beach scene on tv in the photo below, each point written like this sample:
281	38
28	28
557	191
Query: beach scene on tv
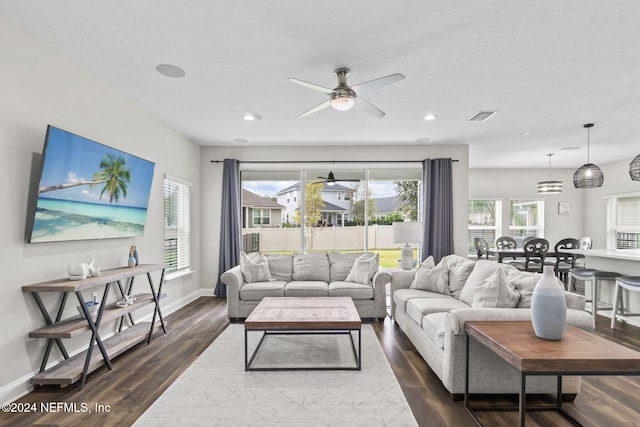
88	190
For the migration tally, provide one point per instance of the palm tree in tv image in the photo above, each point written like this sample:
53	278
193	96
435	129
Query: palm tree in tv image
115	174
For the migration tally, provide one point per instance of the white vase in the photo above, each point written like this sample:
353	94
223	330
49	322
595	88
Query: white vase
548	306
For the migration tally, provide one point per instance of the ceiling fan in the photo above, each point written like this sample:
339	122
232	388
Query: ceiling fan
331	179
343	97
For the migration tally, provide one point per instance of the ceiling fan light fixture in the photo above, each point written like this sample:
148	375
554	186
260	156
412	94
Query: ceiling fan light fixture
342	101
588	175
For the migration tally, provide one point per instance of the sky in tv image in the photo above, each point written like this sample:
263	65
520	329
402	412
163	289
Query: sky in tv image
88	190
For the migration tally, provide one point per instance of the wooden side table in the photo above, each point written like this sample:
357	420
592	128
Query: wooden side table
577	353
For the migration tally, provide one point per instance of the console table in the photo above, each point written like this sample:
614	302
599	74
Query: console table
578	353
77	367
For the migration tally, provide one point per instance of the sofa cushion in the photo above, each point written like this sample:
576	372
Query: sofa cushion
306	288
364	268
254	267
433	326
313	266
280	266
459	270
350	289
481	271
255	291
524	283
434	279
340	265
419	307
496	292
425	266
401	296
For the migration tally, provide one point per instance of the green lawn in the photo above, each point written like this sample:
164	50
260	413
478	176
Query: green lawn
388	257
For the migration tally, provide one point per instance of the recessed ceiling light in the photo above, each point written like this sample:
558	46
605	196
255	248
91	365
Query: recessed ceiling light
240	140
249	117
482	116
569	148
170	70
430	117
527	133
423	140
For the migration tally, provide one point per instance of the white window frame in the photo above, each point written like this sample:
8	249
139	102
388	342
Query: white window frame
497	227
181	230
339	195
514	230
612	226
261	216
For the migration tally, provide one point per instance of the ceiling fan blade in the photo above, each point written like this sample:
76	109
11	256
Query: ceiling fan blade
379	82
315	87
364	105
315	109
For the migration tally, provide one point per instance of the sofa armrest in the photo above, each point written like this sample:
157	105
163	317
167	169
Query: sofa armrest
400	279
234	280
382	277
575	301
456	318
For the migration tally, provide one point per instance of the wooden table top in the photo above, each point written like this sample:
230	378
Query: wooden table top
314	313
578	352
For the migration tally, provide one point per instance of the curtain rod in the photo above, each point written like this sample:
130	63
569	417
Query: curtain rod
326	161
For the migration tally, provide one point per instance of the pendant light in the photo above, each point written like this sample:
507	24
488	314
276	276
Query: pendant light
551	186
588	175
634	169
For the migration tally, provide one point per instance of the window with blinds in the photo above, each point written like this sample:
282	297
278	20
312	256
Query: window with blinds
177	224
626	226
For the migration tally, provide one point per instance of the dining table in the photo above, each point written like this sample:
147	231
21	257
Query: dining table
501	254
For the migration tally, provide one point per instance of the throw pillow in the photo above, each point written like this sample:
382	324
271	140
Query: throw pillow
340	264
524	283
254	267
364	268
427	264
496	292
459	270
481	271
435	279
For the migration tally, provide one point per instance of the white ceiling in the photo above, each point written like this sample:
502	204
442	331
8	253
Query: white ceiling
546	66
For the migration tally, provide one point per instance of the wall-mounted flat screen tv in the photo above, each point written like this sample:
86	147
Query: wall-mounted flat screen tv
88	190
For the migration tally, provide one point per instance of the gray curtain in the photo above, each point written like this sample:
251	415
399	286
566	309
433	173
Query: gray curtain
231	222
437	217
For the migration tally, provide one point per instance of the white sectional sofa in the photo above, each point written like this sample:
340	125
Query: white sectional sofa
310	275
432	305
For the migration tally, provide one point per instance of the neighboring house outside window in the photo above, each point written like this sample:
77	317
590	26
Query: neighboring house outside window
258	211
177	224
337	200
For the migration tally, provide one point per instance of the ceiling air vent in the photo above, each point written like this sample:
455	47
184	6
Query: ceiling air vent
482	116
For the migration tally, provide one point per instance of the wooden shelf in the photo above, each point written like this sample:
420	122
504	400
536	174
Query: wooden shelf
77	325
70	370
107	276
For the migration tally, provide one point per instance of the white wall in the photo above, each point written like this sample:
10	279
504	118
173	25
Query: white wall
39	86
508	184
212	182
616	181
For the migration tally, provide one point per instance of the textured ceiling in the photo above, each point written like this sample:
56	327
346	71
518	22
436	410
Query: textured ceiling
547	67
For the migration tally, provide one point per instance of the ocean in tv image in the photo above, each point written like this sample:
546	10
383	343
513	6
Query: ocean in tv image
88	190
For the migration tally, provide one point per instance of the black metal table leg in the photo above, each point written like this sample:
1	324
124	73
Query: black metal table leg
156	300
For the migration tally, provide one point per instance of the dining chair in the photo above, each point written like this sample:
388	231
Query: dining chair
535	251
565	261
584	243
506	242
482	247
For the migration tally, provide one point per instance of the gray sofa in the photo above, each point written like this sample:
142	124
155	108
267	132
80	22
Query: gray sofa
434	321
308	275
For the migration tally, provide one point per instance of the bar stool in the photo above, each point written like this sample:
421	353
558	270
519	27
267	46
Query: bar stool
594	277
631	283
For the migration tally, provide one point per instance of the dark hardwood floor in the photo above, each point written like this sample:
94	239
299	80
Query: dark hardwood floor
142	374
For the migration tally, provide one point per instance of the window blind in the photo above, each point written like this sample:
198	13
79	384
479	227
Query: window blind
628	212
177	216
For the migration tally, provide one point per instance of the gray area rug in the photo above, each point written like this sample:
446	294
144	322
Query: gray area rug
216	391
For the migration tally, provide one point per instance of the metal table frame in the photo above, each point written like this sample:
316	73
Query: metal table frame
357	354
